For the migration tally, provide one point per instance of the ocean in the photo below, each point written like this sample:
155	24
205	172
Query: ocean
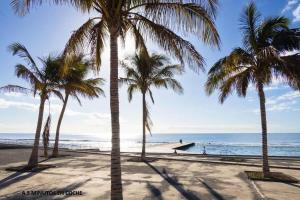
280	144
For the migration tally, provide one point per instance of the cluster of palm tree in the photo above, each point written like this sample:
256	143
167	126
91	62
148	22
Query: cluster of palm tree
165	23
157	20
51	79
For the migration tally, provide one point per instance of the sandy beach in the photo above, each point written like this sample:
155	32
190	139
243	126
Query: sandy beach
170	177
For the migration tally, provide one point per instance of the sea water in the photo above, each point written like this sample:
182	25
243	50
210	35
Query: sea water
280	144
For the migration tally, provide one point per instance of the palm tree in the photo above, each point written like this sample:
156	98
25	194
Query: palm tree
161	21
146	72
41	81
75	83
257	63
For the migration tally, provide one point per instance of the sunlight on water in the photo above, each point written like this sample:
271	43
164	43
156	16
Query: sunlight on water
224	144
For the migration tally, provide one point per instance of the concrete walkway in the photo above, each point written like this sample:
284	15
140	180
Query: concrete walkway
162	179
252	161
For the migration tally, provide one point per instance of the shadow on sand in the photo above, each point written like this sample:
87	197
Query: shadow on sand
174	182
156	193
15	177
19	175
212	191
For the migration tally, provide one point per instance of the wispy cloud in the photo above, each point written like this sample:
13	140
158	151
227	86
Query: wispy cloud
13	94
276	84
296	14
93	115
294	6
55	108
283	102
17	104
290	4
290	96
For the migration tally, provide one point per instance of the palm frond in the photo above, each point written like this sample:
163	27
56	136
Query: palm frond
237	62
22	7
289	72
169	71
26	74
269	26
191	18
77	98
97	37
139	40
131	89
172	43
75	83
22	52
77	39
269	55
287	40
249	25
149	122
58	94
151	95
126	81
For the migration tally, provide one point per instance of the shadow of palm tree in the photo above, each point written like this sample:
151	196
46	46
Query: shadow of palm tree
174	182
156	193
15	177
19	176
212	191
292	184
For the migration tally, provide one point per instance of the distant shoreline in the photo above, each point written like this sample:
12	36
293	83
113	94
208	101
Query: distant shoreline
18	146
215	144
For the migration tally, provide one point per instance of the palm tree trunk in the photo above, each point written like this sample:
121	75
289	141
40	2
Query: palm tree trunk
262	100
55	148
143	156
116	176
33	160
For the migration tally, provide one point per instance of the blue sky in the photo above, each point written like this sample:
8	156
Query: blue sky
46	30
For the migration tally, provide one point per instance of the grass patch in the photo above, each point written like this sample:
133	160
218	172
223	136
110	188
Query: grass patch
138	159
26	168
233	159
274	176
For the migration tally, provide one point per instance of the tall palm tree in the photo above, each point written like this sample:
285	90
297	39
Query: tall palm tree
161	21
41	82
257	63
75	83
143	72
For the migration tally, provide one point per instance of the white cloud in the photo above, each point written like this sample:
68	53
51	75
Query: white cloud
290	4
93	115
290	95
282	106
296	14
276	84
271	88
283	102
13	94
17	104
55	108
